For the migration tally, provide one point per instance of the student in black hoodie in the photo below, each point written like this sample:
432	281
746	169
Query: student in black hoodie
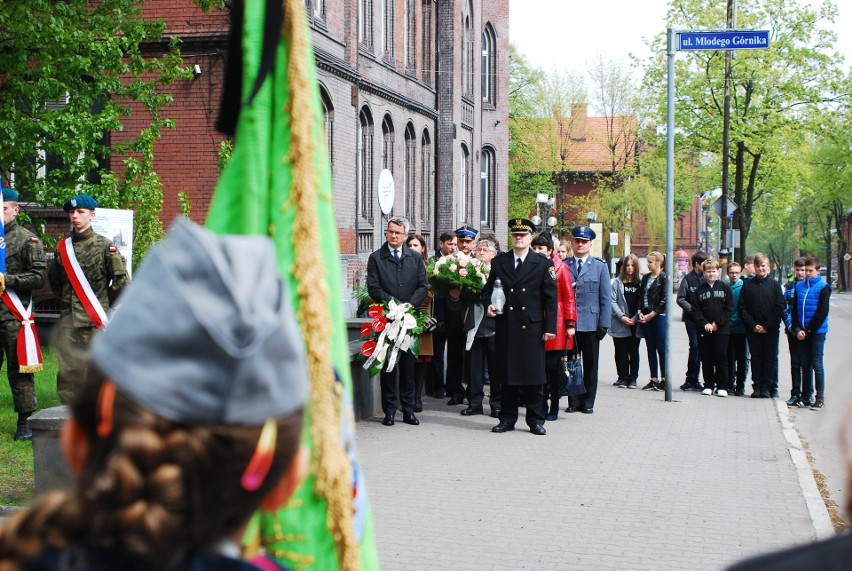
712	305
761	309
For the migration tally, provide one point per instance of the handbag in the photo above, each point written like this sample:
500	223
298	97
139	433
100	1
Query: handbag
572	368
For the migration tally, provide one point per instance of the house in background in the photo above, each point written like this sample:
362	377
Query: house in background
592	149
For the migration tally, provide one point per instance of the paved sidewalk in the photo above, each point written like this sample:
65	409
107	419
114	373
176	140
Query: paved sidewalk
698	483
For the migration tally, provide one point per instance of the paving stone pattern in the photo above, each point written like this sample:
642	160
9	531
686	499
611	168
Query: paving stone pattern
697	483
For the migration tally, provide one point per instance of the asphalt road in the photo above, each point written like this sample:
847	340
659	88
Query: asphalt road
820	430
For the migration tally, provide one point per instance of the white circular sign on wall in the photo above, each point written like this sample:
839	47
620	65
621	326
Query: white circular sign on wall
386	191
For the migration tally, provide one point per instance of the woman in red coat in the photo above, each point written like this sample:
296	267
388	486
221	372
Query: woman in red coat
566	318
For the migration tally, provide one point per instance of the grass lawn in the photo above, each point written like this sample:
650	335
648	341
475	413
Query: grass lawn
17	486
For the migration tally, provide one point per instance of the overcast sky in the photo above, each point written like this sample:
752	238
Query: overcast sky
568	34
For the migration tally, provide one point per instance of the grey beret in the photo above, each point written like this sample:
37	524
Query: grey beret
205	333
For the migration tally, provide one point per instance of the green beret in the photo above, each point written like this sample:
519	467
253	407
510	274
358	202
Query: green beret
79	201
10	195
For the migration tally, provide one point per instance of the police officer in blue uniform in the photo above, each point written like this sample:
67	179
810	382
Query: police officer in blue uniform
593	294
528	320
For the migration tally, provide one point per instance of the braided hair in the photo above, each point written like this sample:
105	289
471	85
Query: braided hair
153	489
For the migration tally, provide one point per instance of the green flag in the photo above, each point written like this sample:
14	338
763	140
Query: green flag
278	183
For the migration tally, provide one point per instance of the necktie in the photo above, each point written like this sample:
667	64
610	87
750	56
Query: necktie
396	255
518	265
579	266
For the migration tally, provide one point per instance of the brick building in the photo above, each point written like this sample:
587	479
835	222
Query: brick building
417	87
592	148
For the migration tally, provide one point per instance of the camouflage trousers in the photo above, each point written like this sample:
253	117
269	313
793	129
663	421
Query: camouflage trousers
22	384
72	344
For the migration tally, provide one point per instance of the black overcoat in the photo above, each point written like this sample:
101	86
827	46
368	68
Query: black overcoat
530	312
404	280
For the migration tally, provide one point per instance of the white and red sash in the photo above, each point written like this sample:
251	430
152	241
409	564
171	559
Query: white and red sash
29	349
81	286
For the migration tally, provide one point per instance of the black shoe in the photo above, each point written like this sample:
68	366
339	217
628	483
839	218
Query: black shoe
619	383
552	417
538	430
454	401
686	386
503	427
739	392
409	418
495	413
571	409
631	384
587	410
418	408
388	421
23	431
470	411
651	386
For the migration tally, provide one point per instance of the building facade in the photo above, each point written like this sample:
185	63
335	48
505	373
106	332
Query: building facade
415	87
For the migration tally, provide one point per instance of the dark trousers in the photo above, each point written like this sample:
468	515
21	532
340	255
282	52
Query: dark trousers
714	359
738	361
764	360
532	395
555	380
455	363
481	357
795	365
812	350
626	357
655	343
589	346
404	370
693	363
439	340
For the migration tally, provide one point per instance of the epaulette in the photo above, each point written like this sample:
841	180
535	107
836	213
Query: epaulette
601	260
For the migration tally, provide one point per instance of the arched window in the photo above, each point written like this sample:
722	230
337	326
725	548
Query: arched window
411	36
487	189
365	163
489	66
388	24
387	143
409	181
365	23
427	47
467	50
315	9
328	122
464	182
426	200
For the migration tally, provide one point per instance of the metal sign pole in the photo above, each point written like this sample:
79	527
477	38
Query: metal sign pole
670	132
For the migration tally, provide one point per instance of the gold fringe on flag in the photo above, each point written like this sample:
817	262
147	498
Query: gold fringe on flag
333	475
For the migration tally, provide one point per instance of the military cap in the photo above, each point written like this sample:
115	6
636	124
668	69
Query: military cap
467	233
79	201
583	233
205	333
521	226
9	195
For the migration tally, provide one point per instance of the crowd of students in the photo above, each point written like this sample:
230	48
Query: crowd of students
730	325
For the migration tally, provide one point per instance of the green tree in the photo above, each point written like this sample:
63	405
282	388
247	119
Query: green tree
72	73
777	94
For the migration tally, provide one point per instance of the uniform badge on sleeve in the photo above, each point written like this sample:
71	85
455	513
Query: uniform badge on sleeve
552	271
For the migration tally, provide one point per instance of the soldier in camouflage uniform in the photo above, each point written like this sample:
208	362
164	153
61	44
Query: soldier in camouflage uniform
104	269
25	269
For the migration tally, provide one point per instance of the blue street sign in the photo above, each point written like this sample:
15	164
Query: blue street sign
726	40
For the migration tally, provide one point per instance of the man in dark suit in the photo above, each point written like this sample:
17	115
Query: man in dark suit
528	319
593	294
396	273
